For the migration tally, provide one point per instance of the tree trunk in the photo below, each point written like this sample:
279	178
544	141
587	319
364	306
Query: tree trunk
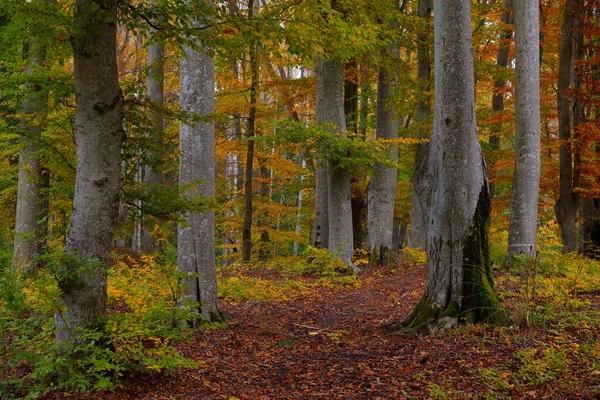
99	138
566	205
418	228
500	83
524	202
196	236
155	86
330	106
382	187
30	216
459	277
248	183
320	229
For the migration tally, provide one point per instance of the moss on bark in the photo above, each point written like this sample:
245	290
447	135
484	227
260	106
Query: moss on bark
478	301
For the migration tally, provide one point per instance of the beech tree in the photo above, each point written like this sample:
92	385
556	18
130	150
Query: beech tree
196	234
526	183
382	186
418	224
566	205
459	277
99	138
155	89
30	214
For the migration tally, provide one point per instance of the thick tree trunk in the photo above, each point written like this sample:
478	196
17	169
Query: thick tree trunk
330	110
500	83
99	138
196	236
566	205
30	211
524	202
459	277
420	182
320	229
382	187
155	88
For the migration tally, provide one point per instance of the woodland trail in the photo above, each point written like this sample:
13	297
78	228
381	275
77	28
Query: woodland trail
332	345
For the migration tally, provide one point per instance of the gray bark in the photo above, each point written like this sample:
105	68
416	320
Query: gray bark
459	280
420	189
155	88
30	211
196	235
526	183
99	137
382	187
331	106
566	205
320	229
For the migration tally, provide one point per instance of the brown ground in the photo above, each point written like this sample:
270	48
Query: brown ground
333	345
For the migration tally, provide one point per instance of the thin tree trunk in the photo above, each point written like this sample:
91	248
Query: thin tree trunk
155	87
248	195
196	236
566	205
99	138
524	202
500	83
30	211
320	229
459	277
418	228
382	187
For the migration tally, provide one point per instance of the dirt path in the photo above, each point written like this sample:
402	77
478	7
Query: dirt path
332	346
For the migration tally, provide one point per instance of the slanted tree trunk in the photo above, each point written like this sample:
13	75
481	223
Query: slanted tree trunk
500	83
196	236
382	187
99	138
459	276
30	211
566	205
320	229
155	87
420	181
526	184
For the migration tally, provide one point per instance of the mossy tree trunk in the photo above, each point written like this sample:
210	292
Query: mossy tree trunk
459	284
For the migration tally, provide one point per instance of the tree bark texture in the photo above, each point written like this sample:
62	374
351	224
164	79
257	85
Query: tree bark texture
155	88
459	277
566	205
524	201
30	211
196	236
418	223
500	82
99	138
320	229
330	106
382	187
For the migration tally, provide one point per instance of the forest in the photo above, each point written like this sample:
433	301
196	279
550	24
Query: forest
312	199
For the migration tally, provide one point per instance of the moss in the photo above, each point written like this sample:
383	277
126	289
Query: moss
481	304
479	300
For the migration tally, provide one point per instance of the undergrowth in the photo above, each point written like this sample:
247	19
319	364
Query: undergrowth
140	329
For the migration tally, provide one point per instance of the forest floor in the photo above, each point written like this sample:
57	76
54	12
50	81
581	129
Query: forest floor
331	343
